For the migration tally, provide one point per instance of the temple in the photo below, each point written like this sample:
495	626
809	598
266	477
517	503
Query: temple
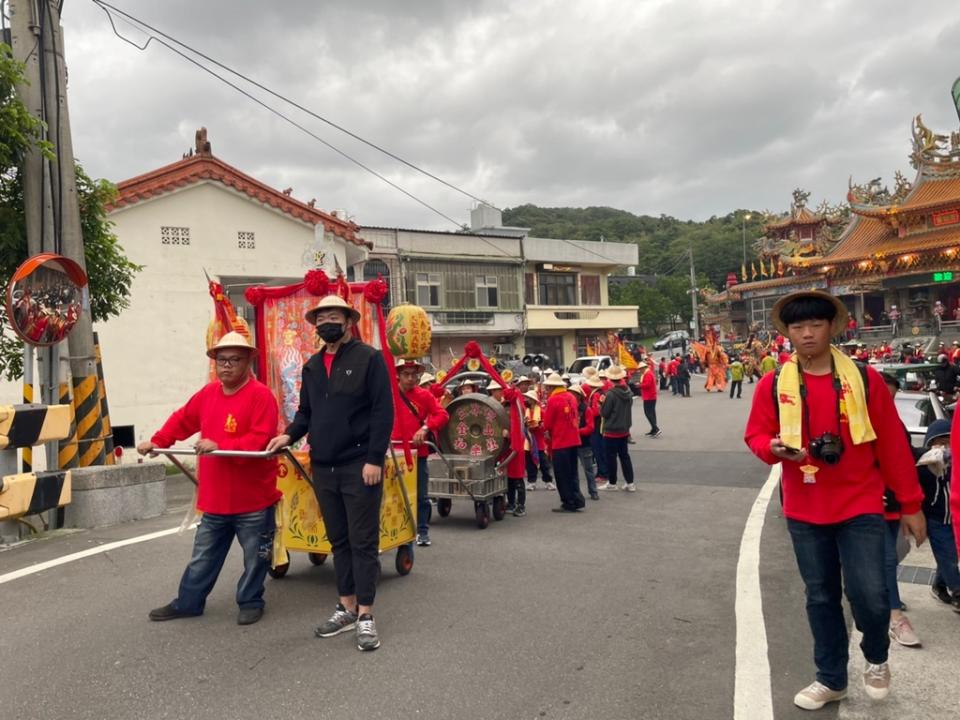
886	248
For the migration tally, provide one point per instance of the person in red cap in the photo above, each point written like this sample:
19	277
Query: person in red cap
236	495
419	416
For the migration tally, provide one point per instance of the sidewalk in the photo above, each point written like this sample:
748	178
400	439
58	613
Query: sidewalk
926	680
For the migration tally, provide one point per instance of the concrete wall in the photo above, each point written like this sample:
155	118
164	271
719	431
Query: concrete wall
109	495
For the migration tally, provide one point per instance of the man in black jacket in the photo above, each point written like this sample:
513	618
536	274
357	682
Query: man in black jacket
346	411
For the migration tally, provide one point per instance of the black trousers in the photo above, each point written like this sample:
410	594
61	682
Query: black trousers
351	515
544	467
683	386
736	385
650	410
516	492
617	450
568	478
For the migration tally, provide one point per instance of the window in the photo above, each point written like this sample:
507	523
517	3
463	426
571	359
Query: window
428	289
174	235
530	297
760	311
558	289
246	240
590	289
487	291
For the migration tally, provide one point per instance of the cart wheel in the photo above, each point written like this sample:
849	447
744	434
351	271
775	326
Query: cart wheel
404	561
483	515
499	507
317	558
443	506
279	571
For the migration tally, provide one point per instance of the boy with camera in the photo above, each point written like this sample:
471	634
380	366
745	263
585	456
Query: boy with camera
834	427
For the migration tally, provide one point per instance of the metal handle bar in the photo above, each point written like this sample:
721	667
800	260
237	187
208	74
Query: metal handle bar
217	453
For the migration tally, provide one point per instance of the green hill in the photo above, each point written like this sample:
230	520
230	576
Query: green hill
663	241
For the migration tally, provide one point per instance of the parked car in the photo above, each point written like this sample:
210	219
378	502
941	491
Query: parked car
914	377
600	362
672	339
917	410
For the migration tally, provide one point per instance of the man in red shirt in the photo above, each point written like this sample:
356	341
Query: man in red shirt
236	495
837	434
648	393
561	422
419	416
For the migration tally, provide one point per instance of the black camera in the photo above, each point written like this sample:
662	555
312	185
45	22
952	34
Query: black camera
828	447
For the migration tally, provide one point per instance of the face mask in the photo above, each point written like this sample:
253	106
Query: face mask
330	332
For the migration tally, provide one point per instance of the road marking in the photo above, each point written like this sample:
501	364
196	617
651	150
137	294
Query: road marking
752	698
40	567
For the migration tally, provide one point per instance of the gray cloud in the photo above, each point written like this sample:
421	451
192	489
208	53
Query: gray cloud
686	108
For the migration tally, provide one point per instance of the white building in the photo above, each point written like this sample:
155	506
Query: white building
200	214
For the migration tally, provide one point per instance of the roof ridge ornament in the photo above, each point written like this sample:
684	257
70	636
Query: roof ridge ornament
201	144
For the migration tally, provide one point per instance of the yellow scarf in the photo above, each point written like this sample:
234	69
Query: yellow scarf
853	402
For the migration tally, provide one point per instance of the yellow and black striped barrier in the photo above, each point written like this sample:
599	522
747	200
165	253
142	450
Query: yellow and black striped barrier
27	464
27	425
68	455
31	493
86	402
107	434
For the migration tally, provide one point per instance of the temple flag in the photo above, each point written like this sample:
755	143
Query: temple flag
743	272
625	358
955	92
753	271
763	269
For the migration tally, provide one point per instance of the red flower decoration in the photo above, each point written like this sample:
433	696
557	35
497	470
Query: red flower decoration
472	349
316	282
437	390
375	291
510	394
254	295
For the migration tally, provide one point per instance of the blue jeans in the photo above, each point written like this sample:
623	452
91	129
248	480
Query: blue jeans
945	553
599	453
423	502
849	553
254	531
890	563
585	454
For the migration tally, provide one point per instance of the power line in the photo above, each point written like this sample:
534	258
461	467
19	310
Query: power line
277	113
103	5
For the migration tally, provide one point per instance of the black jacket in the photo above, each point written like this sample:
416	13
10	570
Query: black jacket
946	377
348	417
617	410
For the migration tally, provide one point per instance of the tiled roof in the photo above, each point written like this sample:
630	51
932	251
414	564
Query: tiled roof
772	282
867	238
202	167
933	192
797	217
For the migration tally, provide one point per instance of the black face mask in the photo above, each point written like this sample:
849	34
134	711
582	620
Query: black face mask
330	332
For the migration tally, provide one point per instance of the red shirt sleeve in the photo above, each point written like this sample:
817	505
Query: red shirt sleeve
764	422
894	456
589	420
437	418
183	422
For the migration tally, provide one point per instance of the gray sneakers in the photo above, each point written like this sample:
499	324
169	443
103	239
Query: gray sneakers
342	620
367	637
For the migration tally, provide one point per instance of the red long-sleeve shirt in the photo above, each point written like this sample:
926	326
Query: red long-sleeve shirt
245	420
648	385
429	413
855	485
954	483
561	420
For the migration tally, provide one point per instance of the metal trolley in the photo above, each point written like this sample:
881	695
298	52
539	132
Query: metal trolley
467	463
299	523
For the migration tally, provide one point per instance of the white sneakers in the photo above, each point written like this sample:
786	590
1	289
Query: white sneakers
876	684
815	695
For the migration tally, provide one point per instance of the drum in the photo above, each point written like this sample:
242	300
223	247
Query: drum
476	428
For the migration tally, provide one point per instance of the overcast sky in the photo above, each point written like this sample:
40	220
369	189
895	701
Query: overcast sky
686	108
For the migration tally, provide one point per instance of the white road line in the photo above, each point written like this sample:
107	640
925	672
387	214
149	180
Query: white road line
40	567
752	698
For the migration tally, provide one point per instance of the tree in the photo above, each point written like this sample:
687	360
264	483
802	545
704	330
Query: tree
109	271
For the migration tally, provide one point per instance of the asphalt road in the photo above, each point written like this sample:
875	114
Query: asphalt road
624	611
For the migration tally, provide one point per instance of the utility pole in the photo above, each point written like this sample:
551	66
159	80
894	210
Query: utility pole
693	296
50	197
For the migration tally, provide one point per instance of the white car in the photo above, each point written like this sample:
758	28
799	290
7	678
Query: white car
600	362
